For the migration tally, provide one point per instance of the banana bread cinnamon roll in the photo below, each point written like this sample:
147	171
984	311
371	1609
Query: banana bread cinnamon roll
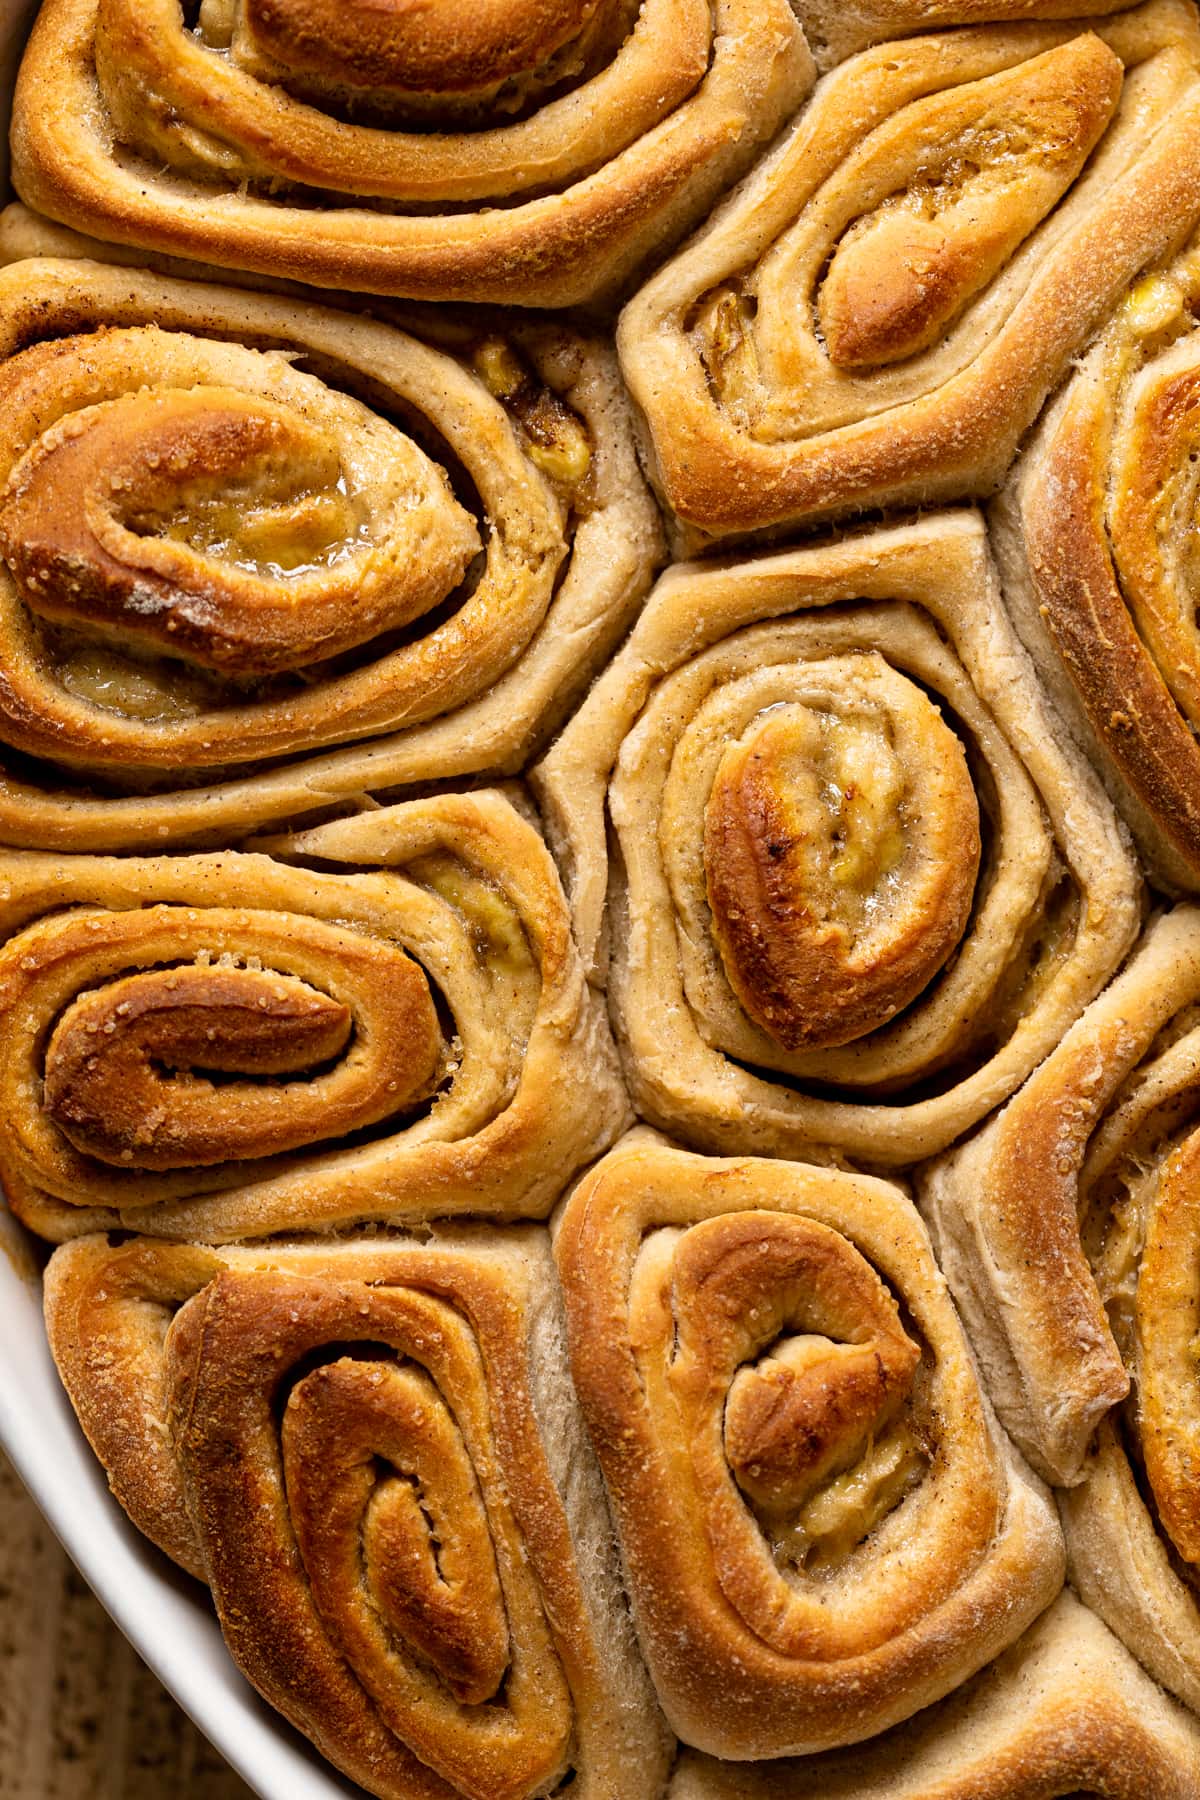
1067	1709
1069	1232
528	151
238	532
823	1527
1095	532
371	1452
391	1024
880	310
858	889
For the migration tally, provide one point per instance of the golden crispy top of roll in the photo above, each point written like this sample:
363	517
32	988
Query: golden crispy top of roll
841	849
436	49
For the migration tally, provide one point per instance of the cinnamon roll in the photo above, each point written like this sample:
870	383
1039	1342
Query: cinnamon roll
859	889
1065	1709
529	151
1067	1229
1095	531
823	1528
371	1453
390	1024
880	310
237	532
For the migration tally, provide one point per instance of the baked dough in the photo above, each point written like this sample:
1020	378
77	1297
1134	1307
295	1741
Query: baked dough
1095	535
1076	1175
1068	1231
850	852
528	151
1066	1708
237	531
184	1041
837	28
823	1527
878	313
371	1452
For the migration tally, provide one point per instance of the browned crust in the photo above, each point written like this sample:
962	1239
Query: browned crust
1031	1194
449	48
105	1318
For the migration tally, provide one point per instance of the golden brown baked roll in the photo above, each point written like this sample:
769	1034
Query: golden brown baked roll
1096	534
823	1527
391	1024
879	311
1069	1179
237	530
370	1450
860	889
1068	1231
1065	1709
524	150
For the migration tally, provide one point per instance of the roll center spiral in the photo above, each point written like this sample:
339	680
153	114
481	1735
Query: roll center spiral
371	1456
841	848
794	1337
186	1066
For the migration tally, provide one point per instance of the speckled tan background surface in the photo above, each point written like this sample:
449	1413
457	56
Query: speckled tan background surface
81	1717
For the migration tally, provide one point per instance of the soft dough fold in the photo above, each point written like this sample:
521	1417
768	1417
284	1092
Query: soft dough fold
1065	1712
1069	1229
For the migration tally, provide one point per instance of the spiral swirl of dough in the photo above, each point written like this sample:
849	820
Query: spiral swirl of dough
861	888
236	531
881	309
364	1450
528	151
813	1498
1096	533
1070	1232
225	1046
